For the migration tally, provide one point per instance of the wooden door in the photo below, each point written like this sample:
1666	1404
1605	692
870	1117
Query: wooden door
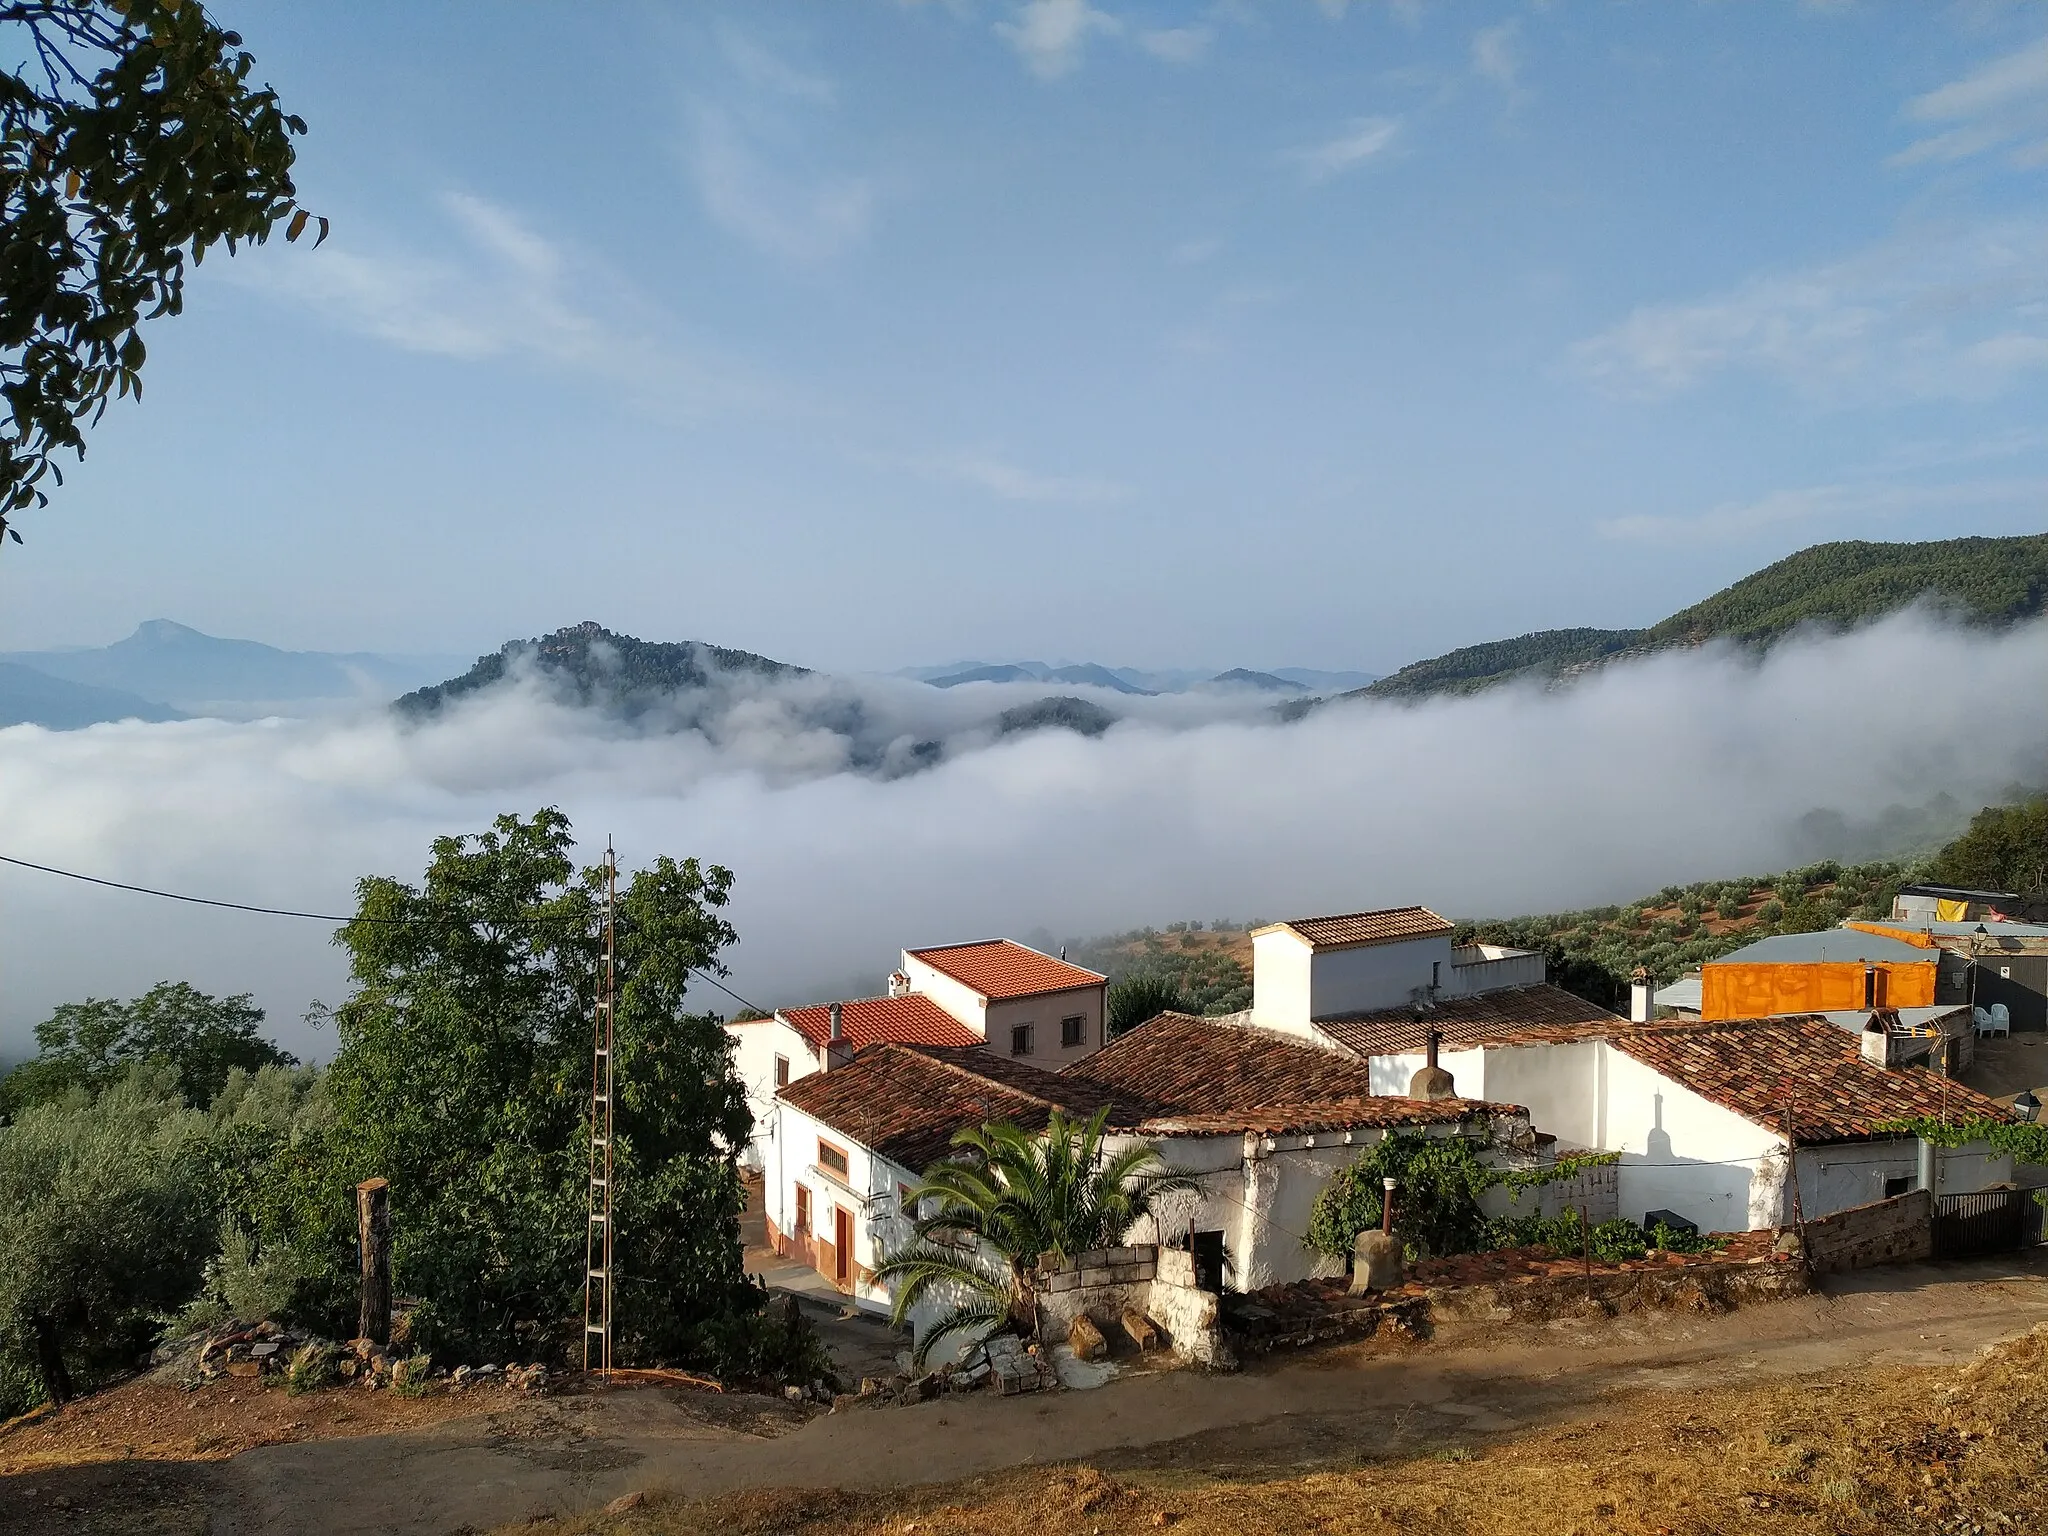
842	1245
803	1213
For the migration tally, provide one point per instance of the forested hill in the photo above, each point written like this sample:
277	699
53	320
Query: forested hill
589	664
1990	582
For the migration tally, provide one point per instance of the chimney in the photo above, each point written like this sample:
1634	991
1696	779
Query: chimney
1642	999
838	1049
1432	1082
1876	1042
899	984
1870	986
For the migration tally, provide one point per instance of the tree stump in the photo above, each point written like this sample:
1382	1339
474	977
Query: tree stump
373	1230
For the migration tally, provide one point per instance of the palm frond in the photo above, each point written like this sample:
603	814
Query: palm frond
986	1315
912	1272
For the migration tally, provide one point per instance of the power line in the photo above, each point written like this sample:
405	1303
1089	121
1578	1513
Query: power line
317	917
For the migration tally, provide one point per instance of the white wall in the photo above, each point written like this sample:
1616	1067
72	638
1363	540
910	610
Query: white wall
1391	1075
1560	1086
956	997
1374	975
756	1044
1280	982
1834	1178
1683	1153
868	1191
1486	967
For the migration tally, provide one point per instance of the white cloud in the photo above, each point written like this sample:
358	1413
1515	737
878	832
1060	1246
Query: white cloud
1858	504
1959	313
1494	56
1049	35
802	220
763	70
1178	45
1512	801
1362	140
1997	104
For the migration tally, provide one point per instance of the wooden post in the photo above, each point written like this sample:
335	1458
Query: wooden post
373	1231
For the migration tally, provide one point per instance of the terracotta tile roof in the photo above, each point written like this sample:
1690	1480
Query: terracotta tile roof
1177	1075
1002	968
1390	925
911	1020
1195	1066
905	1102
1756	1067
1534	1015
1382	1112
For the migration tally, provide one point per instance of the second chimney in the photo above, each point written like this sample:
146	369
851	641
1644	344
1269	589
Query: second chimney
1432	1082
838	1049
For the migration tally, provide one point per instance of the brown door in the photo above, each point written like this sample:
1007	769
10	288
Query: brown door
842	1245
803	1214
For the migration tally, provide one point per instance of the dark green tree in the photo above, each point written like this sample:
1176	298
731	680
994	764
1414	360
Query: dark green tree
2005	849
1138	999
105	1224
89	1045
464	1078
131	139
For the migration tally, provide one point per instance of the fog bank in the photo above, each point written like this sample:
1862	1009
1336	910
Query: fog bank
1678	767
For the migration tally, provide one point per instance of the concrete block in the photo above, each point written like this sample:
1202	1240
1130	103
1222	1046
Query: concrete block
1063	1280
1096	1277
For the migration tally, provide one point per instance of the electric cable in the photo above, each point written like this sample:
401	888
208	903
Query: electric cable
317	917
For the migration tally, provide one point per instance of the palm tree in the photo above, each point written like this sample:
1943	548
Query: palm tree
1008	1200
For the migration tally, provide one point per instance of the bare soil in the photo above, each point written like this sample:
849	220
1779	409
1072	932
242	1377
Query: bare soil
1552	1412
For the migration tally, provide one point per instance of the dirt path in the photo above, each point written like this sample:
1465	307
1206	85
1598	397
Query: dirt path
571	1454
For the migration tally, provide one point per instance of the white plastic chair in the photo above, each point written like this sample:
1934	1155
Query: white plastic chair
2001	1019
1981	1017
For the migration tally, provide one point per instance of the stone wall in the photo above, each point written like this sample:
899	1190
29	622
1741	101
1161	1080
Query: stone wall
1698	1287
1895	1231
1160	1283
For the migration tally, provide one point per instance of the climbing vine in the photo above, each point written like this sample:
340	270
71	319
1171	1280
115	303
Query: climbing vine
2026	1143
1437	1185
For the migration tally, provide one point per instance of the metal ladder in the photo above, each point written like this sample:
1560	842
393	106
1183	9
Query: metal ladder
598	1241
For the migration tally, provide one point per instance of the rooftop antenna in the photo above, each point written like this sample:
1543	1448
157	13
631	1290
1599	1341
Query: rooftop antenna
597	1249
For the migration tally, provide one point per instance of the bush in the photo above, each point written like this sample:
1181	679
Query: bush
757	1345
1137	999
244	1286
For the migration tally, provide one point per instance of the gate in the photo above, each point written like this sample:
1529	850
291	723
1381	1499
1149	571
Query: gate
1993	1221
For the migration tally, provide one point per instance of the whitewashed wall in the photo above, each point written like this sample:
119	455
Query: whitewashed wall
756	1044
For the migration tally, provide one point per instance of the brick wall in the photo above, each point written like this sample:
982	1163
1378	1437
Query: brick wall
1160	1284
1895	1231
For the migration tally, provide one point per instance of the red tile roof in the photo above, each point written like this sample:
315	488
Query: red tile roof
998	968
1534	1015
1197	1066
1176	1076
905	1102
911	1020
1390	925
1759	1067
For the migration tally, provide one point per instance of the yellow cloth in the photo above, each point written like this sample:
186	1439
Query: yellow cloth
1952	911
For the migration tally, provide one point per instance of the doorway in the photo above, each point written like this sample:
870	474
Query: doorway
1207	1248
842	1246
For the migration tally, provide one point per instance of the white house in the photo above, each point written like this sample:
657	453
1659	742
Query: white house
1698	1110
1040	1010
1264	1122
1024	1004
1314	968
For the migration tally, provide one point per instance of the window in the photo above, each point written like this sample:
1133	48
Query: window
832	1159
1020	1039
1893	1188
1071	1030
782	1071
903	1202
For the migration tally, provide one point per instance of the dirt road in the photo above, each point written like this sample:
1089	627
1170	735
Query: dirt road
571	1454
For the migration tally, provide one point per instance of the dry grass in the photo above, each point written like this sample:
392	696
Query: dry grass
1959	1449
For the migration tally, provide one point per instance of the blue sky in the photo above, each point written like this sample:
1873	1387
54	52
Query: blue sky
877	333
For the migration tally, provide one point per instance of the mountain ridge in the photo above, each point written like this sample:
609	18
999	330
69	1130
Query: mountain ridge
1987	582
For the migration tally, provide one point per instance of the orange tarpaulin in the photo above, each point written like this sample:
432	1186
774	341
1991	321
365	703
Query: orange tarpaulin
1920	938
1750	991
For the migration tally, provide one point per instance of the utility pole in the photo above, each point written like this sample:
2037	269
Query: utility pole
598	1244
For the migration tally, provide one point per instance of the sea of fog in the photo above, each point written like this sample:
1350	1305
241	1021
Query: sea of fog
1682	766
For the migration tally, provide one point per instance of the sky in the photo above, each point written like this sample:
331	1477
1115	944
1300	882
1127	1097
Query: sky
871	334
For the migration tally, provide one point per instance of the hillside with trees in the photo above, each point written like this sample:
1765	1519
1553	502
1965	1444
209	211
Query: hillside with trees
1978	581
